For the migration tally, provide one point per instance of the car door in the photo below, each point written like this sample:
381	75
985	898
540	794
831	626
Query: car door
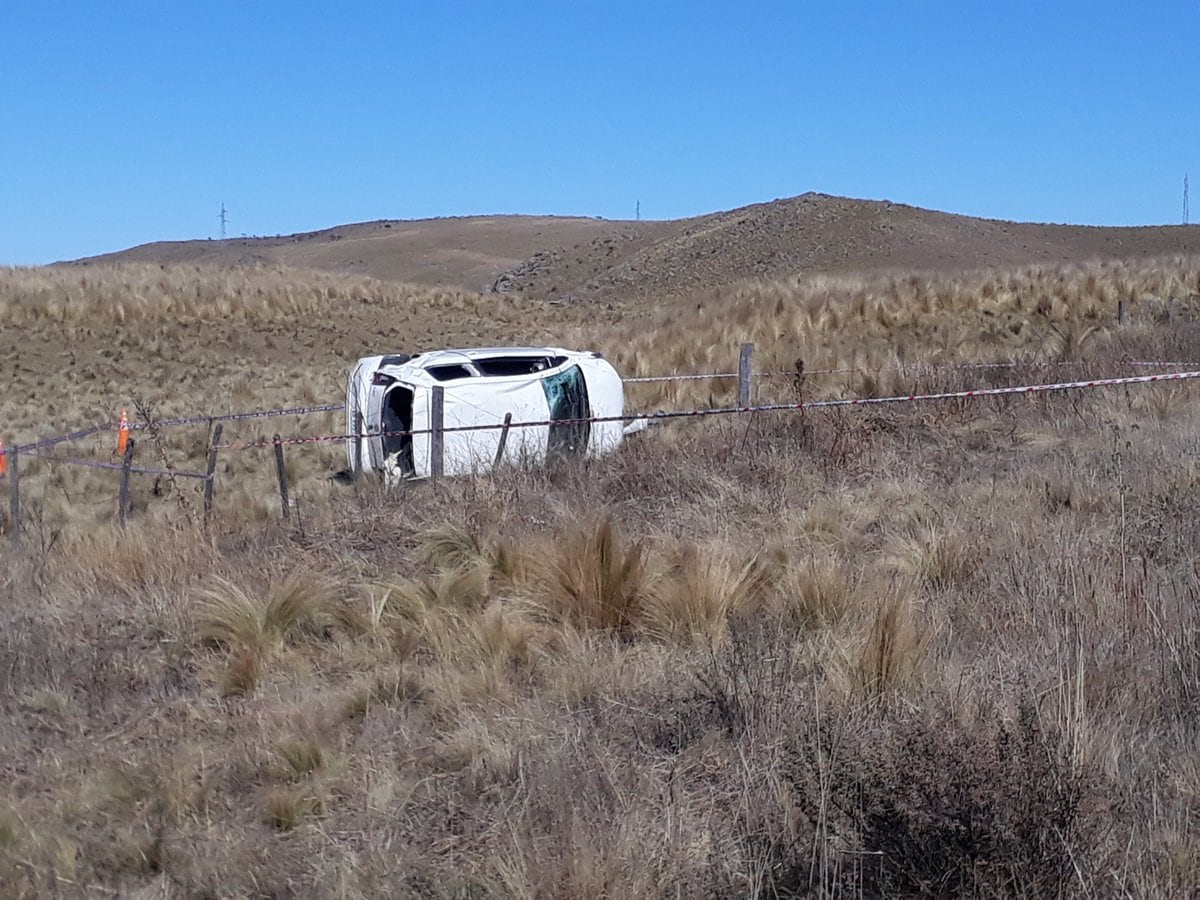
567	396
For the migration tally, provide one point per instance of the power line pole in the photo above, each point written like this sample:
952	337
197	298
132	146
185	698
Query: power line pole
222	217
639	211
1185	200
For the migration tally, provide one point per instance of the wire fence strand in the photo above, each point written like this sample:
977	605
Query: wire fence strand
663	415
46	443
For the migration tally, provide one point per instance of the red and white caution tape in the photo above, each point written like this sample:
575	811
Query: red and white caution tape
648	379
915	368
970	367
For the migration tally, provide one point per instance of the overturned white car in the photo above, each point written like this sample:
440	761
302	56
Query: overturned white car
389	409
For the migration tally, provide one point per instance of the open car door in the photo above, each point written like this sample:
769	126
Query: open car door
567	395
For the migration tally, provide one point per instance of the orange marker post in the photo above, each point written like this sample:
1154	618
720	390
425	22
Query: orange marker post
123	433
3	459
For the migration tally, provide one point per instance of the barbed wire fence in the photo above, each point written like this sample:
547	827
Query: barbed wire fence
46	449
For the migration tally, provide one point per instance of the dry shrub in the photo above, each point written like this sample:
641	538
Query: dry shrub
754	682
930	805
581	833
596	578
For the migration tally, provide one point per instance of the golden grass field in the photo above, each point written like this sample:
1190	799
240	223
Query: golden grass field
948	649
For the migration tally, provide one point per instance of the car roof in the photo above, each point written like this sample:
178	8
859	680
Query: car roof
418	364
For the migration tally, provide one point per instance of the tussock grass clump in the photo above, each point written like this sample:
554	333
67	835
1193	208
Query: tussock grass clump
450	546
595	577
893	648
931	553
415	605
818	589
298	604
694	597
287	808
254	629
301	757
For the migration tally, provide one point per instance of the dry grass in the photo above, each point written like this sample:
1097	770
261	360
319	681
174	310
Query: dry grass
913	650
138	296
881	323
702	589
254	631
597	578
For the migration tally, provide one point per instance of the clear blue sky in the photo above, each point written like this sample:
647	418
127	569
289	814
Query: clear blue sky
130	122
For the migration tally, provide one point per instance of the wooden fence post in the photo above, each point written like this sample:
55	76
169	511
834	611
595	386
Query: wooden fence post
437	416
503	439
14	496
123	505
279	469
1120	312
356	469
745	374
210	472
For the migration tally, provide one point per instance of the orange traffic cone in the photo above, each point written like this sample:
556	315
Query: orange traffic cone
123	433
3	460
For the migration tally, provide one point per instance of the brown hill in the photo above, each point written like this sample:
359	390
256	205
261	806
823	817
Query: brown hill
562	258
819	233
466	253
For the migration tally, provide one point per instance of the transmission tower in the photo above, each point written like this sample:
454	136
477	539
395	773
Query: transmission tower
1185	200
224	215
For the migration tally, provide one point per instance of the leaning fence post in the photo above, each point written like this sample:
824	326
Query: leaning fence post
745	374
279	469
123	504
210	472
14	496
503	439
437	417
357	469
